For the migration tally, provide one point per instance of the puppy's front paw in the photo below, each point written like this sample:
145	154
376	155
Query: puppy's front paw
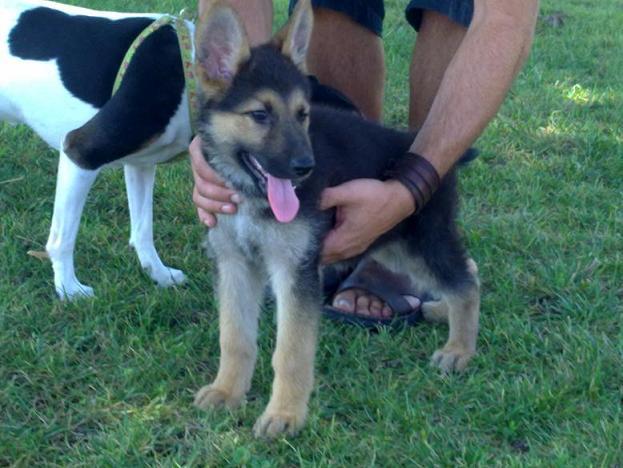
272	424
452	358
211	396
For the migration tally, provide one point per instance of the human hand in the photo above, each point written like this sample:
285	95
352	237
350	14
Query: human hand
366	209
210	194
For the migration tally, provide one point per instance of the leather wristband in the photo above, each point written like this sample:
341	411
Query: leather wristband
418	176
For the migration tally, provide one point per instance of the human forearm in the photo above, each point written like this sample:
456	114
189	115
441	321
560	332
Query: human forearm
477	79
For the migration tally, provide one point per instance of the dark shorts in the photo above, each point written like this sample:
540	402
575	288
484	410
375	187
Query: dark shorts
370	13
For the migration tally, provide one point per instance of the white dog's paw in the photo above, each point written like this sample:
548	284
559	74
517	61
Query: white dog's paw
165	276
172	277
74	290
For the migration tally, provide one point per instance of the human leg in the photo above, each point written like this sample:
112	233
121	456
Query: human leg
348	56
437	41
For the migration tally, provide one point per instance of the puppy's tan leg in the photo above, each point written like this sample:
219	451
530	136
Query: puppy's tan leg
298	312
437	311
463	311
240	291
459	308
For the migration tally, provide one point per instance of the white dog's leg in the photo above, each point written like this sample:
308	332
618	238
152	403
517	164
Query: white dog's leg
139	182
72	188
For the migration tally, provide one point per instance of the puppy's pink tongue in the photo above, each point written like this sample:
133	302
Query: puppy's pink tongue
282	199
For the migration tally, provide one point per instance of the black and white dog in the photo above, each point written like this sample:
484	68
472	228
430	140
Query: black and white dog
58	65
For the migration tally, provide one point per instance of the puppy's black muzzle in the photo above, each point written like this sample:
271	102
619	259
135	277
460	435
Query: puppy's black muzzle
302	166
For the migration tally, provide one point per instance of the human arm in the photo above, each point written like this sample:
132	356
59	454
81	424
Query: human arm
470	93
477	79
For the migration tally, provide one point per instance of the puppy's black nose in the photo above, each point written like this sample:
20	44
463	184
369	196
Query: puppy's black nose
302	166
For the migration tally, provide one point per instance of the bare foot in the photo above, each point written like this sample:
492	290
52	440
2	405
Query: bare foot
361	302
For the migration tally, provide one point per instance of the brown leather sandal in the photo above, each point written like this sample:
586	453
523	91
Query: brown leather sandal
388	286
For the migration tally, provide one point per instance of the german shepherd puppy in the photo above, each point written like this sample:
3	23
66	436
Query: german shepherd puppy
262	136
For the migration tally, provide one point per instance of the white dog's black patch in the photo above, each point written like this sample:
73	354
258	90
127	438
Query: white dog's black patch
88	53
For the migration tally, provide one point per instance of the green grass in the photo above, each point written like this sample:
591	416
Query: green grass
110	381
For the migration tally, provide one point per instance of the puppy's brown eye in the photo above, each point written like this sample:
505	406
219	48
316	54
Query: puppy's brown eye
302	115
260	116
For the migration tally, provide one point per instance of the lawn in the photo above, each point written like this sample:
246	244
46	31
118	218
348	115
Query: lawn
110	381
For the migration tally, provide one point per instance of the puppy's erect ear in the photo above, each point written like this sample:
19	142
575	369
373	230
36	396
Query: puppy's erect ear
293	38
221	47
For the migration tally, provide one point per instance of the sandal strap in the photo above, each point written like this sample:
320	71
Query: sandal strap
383	283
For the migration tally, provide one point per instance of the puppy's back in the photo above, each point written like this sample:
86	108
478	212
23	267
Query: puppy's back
347	146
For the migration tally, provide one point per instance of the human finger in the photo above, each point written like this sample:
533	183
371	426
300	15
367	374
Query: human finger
211	205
